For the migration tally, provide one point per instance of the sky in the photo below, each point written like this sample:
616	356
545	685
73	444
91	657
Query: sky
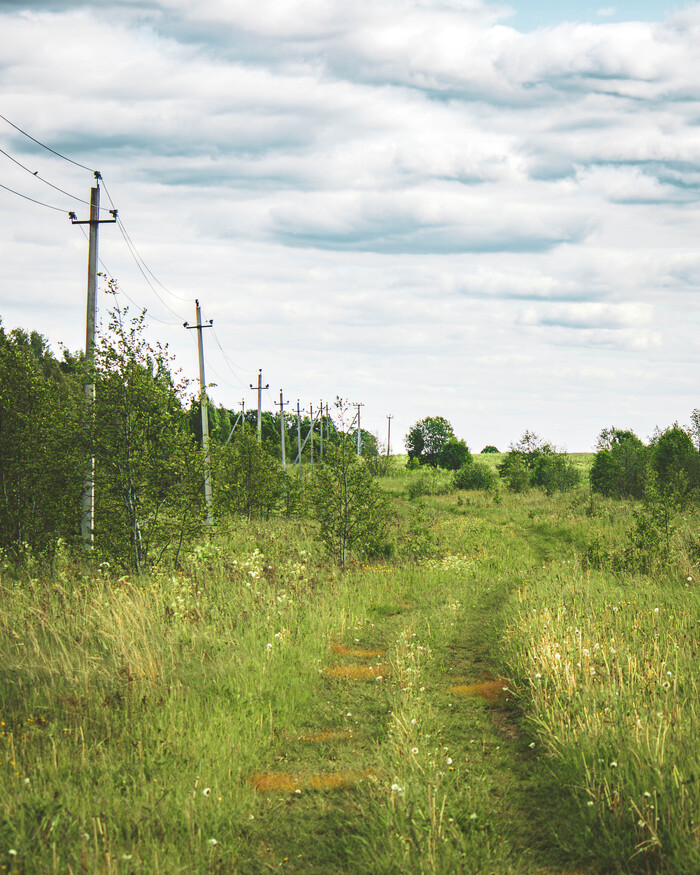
483	211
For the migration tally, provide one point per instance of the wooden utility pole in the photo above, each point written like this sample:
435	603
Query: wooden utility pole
388	435
87	516
260	387
203	408
320	430
283	432
311	436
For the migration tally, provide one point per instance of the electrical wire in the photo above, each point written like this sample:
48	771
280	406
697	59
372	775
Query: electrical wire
227	359
33	200
44	146
131	242
138	306
37	175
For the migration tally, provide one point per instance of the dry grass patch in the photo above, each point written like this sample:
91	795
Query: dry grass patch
356	672
492	691
325	735
285	782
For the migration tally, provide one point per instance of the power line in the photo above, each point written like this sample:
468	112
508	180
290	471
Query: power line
33	200
125	232
36	175
44	146
226	359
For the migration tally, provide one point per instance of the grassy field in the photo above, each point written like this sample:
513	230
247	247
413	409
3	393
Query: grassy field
490	699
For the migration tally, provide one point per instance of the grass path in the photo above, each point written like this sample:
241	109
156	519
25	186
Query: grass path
411	758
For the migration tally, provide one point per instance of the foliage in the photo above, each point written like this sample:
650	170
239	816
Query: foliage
535	462
454	454
675	460
475	475
249	481
621	465
41	445
347	502
427	438
149	470
490	449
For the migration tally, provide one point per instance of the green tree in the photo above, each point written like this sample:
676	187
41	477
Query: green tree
489	449
675	460
41	444
346	500
454	454
427	438
248	479
533	461
621	465
149	468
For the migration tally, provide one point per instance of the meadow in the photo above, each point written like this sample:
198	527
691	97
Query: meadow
495	694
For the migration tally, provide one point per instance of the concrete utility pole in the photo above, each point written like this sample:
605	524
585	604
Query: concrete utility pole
359	433
388	435
311	435
320	429
260	387
283	435
203	408
87	516
299	436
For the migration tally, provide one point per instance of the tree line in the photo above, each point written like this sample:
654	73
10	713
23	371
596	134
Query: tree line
143	431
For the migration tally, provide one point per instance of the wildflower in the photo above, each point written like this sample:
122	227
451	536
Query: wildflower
12	852
413	721
532	744
641	823
213	842
298	792
656	610
666	685
379	677
449	761
586	652
589	803
472	816
206	791
396	789
269	646
538	675
414	750
690	579
613	765
557	655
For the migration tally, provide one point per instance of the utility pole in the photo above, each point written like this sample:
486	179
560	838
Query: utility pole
283	434
311	435
388	436
203	408
87	517
359	433
328	425
299	437
320	429
260	387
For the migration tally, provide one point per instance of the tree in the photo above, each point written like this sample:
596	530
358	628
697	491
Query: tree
346	500
149	468
427	438
489	449
41	444
675	460
248	479
533	461
454	454
621	465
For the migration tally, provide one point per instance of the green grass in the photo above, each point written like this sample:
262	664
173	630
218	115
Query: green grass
138	714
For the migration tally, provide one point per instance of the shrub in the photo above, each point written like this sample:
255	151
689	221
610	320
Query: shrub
489	449
475	476
454	455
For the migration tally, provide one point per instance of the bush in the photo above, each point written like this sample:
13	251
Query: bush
621	465
489	449
475	476
454	455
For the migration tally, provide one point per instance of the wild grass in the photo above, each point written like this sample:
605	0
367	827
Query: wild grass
478	701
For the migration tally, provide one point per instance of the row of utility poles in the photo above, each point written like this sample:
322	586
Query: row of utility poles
87	521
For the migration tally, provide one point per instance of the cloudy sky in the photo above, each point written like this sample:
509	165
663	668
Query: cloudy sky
486	211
